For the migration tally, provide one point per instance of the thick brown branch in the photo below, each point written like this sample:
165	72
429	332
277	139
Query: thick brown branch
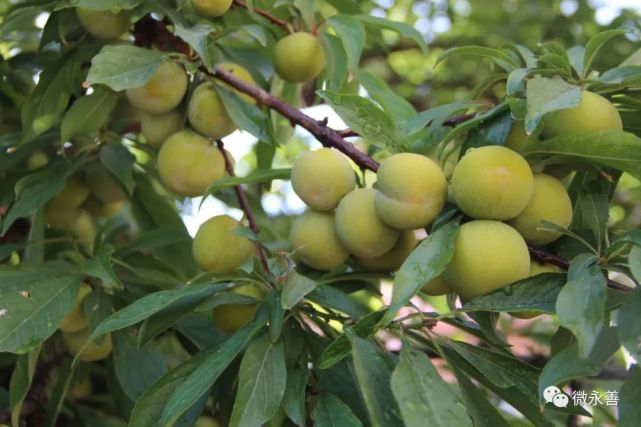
244	205
324	134
265	14
548	258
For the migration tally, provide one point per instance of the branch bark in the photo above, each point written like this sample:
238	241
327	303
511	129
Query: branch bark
265	14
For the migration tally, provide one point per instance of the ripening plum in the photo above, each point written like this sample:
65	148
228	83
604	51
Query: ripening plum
205	421
535	269
217	249
36	160
84	228
75	320
99	209
163	92
103	185
298	57
207	114
188	164
94	351
322	177
73	195
412	190
518	140
437	286
231	317
211	8
487	256
492	182
394	258
550	202
103	24
243	74
157	128
594	113
314	240
62	218
360	229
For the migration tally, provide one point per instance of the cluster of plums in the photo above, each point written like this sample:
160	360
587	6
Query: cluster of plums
506	202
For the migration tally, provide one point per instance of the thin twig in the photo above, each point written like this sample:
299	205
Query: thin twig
244	205
265	14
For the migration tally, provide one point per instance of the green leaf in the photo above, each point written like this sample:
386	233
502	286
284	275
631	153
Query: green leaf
493	131
567	365
634	262
328	296
295	289
373	373
435	117
403	28
394	104
335	61
536	293
33	302
628	325
581	303
65	375
503	370
150	304
97	306
422	395
197	37
120	162
262	380
595	44
88	113
629	408
257	176
545	95
425	263
341	347
483	413
124	67
136	369
99	4
620	150
330	411
206	373
35	190
20	382
246	116
351	32
101	268
497	56
295	396
363	116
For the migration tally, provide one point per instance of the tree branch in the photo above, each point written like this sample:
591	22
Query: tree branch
244	205
265	14
548	258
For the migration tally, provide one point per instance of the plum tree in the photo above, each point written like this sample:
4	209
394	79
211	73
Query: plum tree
492	182
360	229
594	113
163	92
103	24
217	249
487	256
518	140
322	177
93	351
157	128
437	286
75	320
298	57
103	186
211	8
314	240
189	163
394	258
412	190
549	202
231	317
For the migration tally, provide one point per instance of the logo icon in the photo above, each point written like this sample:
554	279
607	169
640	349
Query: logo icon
553	395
